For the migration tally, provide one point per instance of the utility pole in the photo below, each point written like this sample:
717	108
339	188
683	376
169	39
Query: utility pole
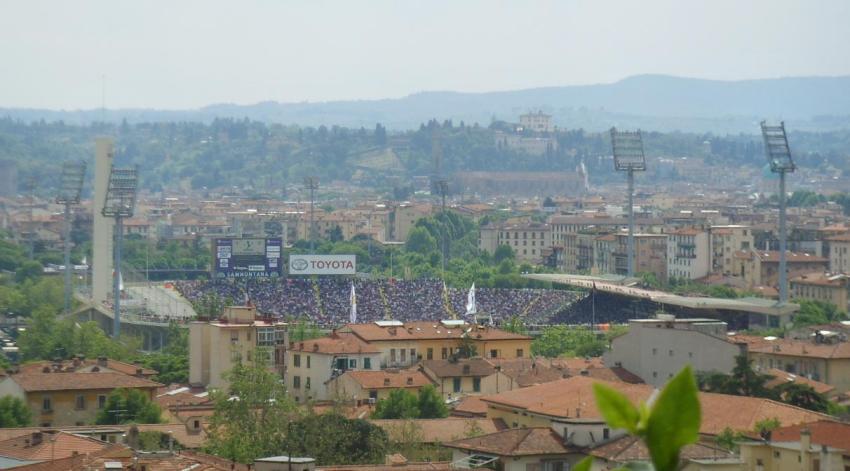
312	184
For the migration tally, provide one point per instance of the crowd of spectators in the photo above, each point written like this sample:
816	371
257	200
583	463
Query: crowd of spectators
327	301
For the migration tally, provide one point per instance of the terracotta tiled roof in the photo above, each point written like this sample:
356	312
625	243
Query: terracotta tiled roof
790	257
88	365
40	446
427	330
781	377
439	430
823	432
467	367
564	398
389	378
629	448
429	466
470	406
822	279
334	343
803	348
32	382
515	442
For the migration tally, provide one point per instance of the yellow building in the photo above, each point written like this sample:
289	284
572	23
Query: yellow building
471	376
372	386
839	253
830	288
216	346
818	446
725	241
62	397
403	344
826	359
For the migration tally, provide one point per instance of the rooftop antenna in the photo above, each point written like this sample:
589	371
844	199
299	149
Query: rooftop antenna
627	148
779	156
73	175
120	203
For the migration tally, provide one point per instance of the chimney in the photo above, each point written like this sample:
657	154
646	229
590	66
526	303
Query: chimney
578	412
386	381
410	380
466	369
805	440
37	438
140	372
102	362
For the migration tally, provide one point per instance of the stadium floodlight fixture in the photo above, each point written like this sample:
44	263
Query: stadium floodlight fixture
778	154
120	203
627	147
70	187
776	148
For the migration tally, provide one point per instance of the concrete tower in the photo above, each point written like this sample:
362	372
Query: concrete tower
102	237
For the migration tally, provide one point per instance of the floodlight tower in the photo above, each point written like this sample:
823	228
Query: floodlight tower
779	155
443	187
628	157
73	174
312	184
119	204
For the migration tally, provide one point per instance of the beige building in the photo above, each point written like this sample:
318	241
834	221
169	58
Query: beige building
537	122
688	254
725	242
761	268
405	217
650	255
818	446
311	365
839	253
472	376
825	358
216	346
657	349
372	386
528	241
825	287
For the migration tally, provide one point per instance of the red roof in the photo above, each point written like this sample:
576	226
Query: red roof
823	432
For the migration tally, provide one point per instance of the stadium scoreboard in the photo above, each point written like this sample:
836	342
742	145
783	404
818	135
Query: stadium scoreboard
248	258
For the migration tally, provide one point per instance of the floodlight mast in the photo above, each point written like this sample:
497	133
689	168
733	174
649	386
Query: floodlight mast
778	154
120	203
443	186
312	184
73	175
627	148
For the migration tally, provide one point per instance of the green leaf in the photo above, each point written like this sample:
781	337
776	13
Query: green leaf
584	465
616	408
674	421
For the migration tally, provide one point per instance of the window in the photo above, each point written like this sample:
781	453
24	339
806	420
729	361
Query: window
266	336
373	394
101	401
670	352
430	354
445	353
352	363
308	361
307	383
606	434
654	351
392	355
412	355
690	354
654	374
519	353
46	404
403	355
296	382
296	360
234	336
494	354
80	402
456	385
367	363
476	384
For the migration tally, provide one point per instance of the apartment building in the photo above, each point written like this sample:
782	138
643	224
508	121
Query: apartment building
657	349
562	225
312	364
816	446
650	254
688	254
725	242
839	253
470	376
529	241
217	345
537	122
372	386
827	287
761	267
825	358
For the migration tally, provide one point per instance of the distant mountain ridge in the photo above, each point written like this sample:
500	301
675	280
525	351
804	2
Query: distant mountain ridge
652	102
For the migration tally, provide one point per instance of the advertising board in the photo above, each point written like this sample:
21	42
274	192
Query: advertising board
247	258
322	265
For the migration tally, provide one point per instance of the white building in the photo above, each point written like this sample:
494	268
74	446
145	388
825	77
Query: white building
688	254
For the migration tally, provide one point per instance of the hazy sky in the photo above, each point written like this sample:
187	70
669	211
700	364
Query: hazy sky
186	54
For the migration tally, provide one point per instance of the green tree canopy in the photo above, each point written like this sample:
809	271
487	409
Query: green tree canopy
400	404
334	439
420	241
14	412
431	404
129	406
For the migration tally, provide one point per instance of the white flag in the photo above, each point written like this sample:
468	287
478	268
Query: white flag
471	308
353	318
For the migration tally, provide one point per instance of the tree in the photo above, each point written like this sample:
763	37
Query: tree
431	405
251	417
129	406
515	325
38	341
29	270
503	252
420	241
802	395
561	340
333	439
14	412
745	381
400	404
817	312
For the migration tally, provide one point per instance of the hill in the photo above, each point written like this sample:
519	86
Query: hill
652	102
